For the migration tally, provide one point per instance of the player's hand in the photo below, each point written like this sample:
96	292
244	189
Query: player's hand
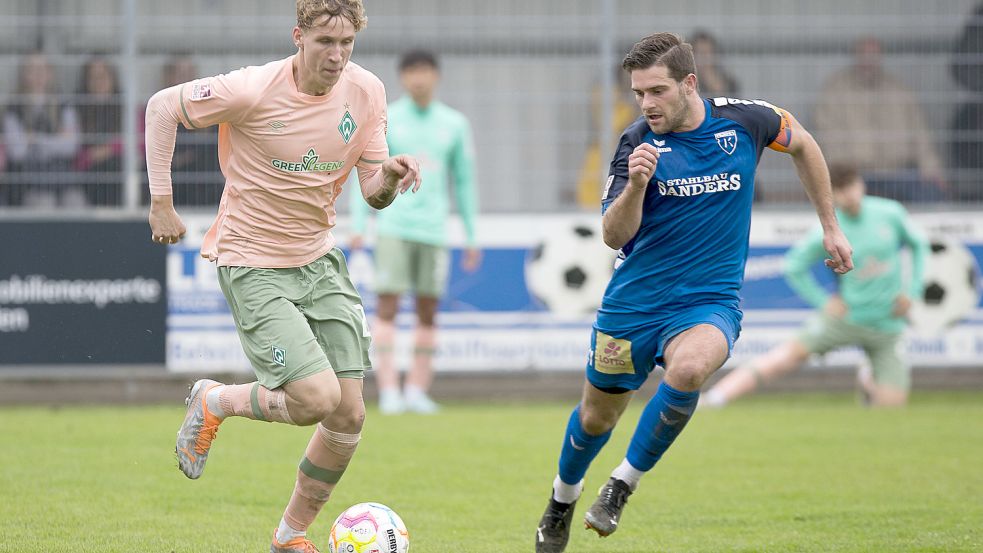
166	226
839	251
407	169
471	260
902	305
356	242
835	307
642	163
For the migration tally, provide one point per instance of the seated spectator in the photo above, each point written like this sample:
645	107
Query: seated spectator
41	138
198	180
714	80
868	118
966	147
101	121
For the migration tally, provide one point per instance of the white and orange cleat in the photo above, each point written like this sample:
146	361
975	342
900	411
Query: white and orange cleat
195	436
299	544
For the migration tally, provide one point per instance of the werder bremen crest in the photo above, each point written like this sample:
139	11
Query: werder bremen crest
347	126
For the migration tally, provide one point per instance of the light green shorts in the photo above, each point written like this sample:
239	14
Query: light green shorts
404	265
885	350
296	322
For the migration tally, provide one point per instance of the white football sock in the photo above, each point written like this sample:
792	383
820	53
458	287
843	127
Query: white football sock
212	401
566	493
285	532
628	474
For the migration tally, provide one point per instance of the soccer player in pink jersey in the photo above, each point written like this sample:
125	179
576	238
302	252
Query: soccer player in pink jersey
290	133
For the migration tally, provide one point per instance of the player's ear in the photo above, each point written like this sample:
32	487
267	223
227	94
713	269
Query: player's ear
690	83
298	37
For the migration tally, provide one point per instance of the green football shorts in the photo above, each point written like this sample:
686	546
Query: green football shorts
404	265
296	322
885	350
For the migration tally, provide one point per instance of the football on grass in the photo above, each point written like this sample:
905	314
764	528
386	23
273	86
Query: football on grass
368	528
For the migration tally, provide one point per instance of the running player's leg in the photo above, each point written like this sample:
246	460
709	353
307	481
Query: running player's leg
691	346
780	360
588	429
618	365
890	379
337	319
328	453
392	278
281	348
420	377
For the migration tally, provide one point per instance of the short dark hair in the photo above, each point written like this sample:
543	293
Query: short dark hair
418	56
843	175
666	49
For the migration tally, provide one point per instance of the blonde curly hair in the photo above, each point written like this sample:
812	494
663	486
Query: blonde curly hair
308	11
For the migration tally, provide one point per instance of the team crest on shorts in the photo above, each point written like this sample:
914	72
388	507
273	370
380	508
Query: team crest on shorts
279	356
727	140
613	355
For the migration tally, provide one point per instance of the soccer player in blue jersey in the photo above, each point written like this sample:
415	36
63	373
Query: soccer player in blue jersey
677	203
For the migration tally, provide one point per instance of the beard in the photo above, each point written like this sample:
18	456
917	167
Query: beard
679	115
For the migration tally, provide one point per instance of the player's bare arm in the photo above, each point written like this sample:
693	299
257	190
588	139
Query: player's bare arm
814	174
399	174
166	226
622	219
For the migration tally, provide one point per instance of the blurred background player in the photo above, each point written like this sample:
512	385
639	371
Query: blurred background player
677	203
411	236
868	310
298	315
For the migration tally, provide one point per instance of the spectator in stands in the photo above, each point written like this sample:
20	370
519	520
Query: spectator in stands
714	80
868	118
197	177
967	123
41	137
590	180
100	115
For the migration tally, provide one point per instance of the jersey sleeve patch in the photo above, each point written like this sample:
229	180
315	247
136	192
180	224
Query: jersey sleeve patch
783	139
200	91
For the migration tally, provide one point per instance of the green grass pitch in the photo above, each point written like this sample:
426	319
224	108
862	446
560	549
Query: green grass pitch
773	473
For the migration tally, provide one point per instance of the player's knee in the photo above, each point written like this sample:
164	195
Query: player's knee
597	421
687	376
320	404
349	421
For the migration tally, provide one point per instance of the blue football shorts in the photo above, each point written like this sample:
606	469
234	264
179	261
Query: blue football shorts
624	348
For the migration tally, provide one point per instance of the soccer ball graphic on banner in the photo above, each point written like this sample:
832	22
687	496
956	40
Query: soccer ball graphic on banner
569	270
951	287
368	528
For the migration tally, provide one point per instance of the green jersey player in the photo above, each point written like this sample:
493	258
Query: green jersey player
869	308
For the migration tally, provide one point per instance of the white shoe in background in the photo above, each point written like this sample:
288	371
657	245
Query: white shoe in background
417	401
391	402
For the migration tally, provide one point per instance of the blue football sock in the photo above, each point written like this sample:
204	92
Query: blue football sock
579	449
662	420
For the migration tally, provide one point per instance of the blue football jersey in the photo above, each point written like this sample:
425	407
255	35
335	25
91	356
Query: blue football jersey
692	243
